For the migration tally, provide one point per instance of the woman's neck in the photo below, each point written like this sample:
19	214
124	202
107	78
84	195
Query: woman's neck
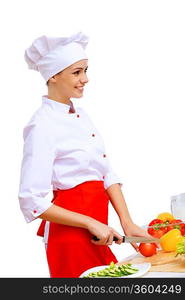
54	95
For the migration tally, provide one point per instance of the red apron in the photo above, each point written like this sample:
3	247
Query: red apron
70	251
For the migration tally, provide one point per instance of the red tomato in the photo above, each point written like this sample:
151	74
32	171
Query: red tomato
182	229
158	229
156	233
147	249
175	226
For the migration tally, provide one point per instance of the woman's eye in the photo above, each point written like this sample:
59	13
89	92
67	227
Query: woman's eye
77	72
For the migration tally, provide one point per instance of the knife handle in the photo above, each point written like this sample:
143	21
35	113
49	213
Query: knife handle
114	239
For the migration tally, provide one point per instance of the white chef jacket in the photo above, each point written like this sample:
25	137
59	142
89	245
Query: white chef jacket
61	150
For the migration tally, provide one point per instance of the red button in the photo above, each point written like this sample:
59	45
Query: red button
104	155
93	134
78	116
35	211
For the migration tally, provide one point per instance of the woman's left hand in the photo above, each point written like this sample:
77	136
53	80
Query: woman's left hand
132	229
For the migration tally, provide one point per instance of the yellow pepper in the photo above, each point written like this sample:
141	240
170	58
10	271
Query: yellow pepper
170	240
165	216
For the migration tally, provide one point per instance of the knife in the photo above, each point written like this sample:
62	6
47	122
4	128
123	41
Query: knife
133	239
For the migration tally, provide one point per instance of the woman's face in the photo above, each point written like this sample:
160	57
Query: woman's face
71	81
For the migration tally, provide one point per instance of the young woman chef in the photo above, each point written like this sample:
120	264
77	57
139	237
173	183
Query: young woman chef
64	152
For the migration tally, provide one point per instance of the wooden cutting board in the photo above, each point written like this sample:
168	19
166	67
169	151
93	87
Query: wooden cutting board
160	262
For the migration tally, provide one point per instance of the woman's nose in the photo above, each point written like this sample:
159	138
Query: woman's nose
84	78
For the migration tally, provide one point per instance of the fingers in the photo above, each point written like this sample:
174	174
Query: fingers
101	241
145	234
157	244
119	237
107	238
135	246
104	239
110	240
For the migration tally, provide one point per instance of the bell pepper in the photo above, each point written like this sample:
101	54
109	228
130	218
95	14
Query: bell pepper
165	217
170	240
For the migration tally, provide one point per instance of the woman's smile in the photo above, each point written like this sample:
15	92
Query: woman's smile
80	88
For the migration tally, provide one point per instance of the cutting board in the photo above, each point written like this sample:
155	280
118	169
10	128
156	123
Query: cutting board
160	262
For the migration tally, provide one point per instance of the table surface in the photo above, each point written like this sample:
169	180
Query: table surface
157	274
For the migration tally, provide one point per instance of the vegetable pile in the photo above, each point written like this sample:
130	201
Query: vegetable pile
113	271
160	223
170	233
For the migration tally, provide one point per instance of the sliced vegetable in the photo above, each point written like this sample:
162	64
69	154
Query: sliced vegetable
114	271
170	240
147	249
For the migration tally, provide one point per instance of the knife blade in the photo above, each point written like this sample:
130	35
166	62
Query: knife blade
139	239
133	239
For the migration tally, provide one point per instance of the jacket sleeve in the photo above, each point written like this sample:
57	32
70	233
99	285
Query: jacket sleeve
36	171
111	177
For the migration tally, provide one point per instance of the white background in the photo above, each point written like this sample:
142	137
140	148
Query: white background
135	96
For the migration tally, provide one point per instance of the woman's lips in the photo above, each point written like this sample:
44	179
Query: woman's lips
80	88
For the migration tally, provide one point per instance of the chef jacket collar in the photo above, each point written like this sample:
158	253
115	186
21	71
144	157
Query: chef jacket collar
57	105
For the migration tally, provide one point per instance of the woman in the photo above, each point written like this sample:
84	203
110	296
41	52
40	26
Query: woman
63	151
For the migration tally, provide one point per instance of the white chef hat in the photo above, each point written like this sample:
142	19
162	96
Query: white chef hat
51	55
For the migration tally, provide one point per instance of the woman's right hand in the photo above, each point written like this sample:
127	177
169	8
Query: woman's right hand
103	232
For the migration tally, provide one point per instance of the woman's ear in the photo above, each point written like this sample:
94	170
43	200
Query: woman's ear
52	79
